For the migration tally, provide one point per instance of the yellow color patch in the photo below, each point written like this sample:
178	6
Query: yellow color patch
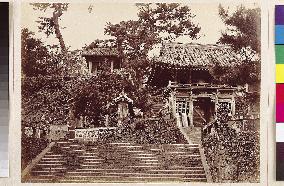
280	73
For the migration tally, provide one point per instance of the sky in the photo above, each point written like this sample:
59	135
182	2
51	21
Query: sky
79	27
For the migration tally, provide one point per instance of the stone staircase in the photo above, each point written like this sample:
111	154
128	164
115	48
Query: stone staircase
193	134
121	162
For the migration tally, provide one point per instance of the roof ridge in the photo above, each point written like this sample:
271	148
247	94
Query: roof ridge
197	45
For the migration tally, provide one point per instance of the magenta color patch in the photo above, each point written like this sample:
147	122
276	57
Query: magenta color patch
279	112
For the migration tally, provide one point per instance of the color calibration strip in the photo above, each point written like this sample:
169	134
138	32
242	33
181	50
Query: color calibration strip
279	56
4	88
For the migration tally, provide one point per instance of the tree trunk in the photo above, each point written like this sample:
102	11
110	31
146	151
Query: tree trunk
56	14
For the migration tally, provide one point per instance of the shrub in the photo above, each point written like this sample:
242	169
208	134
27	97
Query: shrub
31	147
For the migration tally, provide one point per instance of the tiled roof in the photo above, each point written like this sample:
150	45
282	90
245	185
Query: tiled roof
101	52
198	55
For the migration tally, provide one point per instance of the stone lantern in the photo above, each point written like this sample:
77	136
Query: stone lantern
124	106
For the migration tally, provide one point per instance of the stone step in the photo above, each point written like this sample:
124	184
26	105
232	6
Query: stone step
52	154
93	159
75	145
149	163
122	143
102	164
92	162
111	178
38	180
136	151
52	158
154	160
129	146
49	164
115	180
143	157
177	149
52	161
53	168
141	176
91	153
129	174
46	172
145	154
191	170
79	150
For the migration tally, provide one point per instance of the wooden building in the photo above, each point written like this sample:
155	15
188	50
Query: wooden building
185	69
99	59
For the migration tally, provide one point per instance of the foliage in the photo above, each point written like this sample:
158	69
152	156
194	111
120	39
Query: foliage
35	56
147	131
47	82
45	101
50	25
46	60
31	147
232	156
47	98
243	31
243	34
156	22
241	74
98	43
95	95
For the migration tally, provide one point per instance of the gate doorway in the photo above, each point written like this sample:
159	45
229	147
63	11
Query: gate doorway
203	111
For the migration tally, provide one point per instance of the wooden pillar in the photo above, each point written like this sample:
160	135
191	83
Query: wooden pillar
107	120
173	102
90	67
111	66
233	105
179	120
96	69
184	120
190	112
216	102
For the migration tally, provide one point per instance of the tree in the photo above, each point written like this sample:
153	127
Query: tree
243	34
95	95
46	60
98	43
36	58
156	23
50	25
243	30
159	22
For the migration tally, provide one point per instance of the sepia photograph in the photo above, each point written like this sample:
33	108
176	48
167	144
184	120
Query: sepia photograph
140	92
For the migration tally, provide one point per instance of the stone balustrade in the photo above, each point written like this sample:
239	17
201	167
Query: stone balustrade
93	134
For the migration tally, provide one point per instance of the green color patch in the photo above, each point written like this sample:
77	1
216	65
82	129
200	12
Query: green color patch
279	49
